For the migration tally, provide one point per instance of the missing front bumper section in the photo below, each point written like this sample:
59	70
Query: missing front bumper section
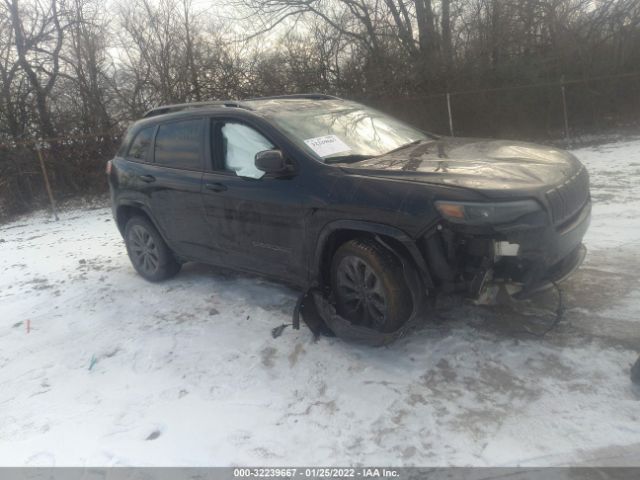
478	264
556	274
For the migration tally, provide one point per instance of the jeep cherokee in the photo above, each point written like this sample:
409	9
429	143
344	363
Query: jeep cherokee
320	192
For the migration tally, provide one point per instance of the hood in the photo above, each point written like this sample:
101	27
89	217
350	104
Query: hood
494	165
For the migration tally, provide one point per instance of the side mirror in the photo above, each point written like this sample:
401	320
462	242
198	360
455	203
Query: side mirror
271	161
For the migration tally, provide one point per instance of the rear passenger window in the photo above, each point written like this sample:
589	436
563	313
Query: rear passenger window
178	144
140	145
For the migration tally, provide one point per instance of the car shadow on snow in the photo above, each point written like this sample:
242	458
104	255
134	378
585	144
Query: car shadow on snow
518	320
583	297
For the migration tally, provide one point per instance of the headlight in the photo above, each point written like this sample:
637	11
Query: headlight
486	213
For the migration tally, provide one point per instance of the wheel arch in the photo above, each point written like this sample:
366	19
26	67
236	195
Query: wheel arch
125	211
337	233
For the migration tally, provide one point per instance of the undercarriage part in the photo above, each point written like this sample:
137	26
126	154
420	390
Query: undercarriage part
437	261
460	263
488	295
480	284
496	293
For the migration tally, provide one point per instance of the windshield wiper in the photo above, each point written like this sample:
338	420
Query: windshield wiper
358	158
402	147
347	158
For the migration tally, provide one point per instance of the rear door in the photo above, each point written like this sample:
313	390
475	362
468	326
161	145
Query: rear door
256	221
174	181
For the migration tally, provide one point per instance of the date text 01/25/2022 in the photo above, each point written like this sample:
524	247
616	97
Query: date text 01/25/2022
315	473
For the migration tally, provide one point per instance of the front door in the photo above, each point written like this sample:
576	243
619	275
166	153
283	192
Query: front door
256	221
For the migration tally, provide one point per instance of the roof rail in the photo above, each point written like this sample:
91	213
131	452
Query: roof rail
187	106
308	96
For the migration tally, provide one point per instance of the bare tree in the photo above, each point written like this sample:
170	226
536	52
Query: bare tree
72	68
38	35
86	58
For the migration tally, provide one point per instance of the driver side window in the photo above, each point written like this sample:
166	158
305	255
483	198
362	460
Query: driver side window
240	145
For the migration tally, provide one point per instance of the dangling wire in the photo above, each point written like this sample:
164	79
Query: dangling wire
559	315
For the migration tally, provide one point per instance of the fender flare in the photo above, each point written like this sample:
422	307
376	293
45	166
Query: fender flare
371	228
138	205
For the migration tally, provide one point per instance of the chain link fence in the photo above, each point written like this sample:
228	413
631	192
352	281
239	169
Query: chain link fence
552	111
562	111
36	172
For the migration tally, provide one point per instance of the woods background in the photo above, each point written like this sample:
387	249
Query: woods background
73	73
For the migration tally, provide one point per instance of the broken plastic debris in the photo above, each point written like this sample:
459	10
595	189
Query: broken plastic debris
276	332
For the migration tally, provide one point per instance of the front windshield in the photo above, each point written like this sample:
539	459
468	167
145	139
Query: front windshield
345	131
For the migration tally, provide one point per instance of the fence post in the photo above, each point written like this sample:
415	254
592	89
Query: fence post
46	182
450	117
564	110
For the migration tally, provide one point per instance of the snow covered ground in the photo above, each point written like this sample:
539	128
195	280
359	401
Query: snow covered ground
99	367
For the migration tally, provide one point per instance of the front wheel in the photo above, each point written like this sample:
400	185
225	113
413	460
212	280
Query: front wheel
369	287
148	252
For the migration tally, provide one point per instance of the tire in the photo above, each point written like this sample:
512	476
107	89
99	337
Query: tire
148	252
369	287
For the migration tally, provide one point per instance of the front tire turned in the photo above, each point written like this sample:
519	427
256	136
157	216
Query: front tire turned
369	286
148	252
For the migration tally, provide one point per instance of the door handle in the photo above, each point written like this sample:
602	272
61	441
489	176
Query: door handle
215	187
147	178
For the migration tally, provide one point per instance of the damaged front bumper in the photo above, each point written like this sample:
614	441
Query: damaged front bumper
557	273
520	259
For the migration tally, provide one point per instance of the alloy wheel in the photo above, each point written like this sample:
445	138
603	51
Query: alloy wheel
144	250
361	293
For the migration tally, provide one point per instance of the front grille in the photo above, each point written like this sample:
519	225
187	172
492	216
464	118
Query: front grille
567	199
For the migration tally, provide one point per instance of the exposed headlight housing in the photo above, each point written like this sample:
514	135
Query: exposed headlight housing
480	213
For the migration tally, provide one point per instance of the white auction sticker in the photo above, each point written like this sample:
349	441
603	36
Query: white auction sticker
327	145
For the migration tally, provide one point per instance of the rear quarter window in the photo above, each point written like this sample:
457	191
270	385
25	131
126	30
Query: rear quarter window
139	148
178	144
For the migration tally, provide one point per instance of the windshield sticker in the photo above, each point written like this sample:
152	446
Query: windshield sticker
327	145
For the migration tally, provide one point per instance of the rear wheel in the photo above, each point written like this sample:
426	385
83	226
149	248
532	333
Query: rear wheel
369	286
148	252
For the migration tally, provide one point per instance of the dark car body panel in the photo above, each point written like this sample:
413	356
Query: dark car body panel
490	165
281	226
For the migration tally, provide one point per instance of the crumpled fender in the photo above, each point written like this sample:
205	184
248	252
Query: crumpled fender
375	229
